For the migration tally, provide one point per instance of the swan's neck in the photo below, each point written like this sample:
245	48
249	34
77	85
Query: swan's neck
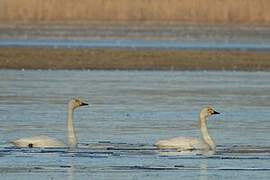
205	135
72	141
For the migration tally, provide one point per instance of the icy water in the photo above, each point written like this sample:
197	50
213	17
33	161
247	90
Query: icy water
128	112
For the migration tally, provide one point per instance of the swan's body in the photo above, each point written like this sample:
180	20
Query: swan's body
44	141
182	143
189	143
38	141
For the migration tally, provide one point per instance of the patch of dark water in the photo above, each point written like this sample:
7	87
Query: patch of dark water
106	149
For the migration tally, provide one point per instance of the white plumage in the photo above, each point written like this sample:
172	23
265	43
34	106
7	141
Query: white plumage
38	141
190	143
45	141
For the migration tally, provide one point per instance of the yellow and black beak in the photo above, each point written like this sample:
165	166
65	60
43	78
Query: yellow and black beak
84	104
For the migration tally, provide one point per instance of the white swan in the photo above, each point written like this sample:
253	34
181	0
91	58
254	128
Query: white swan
189	143
44	141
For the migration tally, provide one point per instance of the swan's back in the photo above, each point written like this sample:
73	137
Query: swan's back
38	141
181	143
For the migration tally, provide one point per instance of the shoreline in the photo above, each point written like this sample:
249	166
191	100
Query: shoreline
130	59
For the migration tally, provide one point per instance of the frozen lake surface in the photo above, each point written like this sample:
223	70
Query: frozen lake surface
128	112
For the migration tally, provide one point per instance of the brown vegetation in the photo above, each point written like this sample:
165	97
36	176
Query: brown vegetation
127	59
210	11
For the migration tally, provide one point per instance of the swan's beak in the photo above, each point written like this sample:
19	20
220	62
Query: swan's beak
215	112
84	104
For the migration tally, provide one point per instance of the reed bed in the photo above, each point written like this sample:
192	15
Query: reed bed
194	11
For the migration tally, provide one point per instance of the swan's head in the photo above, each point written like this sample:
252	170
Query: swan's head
77	102
208	111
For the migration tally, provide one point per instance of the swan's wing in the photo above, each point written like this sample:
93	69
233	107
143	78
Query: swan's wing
181	143
38	141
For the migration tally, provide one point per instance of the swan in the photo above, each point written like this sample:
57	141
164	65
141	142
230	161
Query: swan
189	143
44	141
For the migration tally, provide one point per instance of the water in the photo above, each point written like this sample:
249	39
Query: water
134	35
128	112
136	44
